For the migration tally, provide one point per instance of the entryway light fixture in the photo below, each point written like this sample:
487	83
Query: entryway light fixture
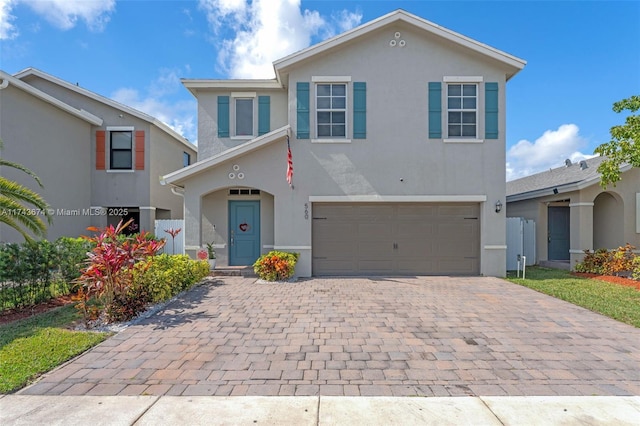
498	206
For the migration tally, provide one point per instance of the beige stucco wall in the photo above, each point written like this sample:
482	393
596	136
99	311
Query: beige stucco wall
56	146
599	218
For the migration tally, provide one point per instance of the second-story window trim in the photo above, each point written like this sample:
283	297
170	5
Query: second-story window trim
121	148
462	97
243	115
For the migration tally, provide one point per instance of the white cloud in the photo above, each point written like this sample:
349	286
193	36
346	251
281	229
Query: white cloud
548	151
8	31
63	14
180	116
266	30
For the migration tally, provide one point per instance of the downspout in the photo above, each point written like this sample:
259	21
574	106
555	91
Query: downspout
4	84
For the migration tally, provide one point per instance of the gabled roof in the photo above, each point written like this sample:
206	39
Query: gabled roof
110	102
80	113
176	177
400	15
570	177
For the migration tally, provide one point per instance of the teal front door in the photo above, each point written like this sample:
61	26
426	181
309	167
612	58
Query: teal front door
558	233
244	232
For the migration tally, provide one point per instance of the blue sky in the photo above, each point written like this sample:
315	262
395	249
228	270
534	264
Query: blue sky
582	56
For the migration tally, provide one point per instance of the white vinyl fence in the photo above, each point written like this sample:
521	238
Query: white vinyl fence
521	241
174	245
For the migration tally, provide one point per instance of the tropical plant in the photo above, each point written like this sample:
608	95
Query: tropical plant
210	250
624	146
20	207
108	271
276	265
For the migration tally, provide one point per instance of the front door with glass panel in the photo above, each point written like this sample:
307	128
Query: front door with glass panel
244	232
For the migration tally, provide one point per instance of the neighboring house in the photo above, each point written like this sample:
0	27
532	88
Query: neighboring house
573	213
100	161
397	136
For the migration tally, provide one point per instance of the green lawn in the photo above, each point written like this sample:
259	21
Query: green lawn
37	344
615	301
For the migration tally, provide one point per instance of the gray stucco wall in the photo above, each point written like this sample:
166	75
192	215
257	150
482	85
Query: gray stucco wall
397	159
56	146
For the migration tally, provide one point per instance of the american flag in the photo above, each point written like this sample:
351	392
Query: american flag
289	163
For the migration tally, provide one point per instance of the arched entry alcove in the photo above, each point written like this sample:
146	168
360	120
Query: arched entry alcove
608	221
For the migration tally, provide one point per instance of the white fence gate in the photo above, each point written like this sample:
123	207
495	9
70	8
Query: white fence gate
521	241
174	245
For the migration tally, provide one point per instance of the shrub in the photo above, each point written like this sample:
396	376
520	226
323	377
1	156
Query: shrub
594	262
605	262
635	272
71	253
276	265
108	271
164	276
26	274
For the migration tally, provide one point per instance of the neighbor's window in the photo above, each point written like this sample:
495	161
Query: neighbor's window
462	113
121	152
331	110
186	159
244	116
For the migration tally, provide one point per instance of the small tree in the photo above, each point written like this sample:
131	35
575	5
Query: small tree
20	207
624	146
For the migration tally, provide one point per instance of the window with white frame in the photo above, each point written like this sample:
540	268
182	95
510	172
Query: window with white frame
121	149
462	110
331	110
243	116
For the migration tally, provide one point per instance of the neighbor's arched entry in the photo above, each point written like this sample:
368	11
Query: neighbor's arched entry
608	221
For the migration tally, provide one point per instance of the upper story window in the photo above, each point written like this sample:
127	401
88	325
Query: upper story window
121	149
331	110
244	116
186	159
462	110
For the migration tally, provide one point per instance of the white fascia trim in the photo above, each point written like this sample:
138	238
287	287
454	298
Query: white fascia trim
120	171
495	247
576	251
268	246
400	15
398	198
99	98
220	246
462	79
147	208
192	247
331	79
581	204
80	113
292	247
229	154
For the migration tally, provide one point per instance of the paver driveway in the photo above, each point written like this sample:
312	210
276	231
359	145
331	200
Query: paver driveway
381	336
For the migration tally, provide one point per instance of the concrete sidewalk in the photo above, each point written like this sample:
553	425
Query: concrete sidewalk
318	410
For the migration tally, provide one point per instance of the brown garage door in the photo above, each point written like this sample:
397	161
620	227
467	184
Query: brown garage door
400	239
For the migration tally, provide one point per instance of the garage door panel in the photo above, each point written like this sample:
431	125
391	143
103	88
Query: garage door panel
402	238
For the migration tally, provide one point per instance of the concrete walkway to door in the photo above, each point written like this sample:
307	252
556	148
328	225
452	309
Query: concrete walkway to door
428	336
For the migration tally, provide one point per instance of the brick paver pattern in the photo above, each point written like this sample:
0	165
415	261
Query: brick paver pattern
427	336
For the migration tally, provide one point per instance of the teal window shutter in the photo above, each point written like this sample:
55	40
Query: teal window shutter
435	110
302	118
264	115
491	110
223	116
359	110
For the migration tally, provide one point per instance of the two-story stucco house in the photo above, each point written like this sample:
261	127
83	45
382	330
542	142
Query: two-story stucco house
397	137
100	161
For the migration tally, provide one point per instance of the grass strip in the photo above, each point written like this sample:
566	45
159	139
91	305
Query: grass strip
38	344
612	300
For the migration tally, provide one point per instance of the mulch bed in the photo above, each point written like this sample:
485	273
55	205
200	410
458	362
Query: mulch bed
611	279
21	313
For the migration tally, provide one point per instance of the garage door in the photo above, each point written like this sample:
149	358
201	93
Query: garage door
396	239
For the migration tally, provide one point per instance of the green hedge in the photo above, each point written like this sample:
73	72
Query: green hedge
34	272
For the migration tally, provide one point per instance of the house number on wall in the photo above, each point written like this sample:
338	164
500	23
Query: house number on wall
306	211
